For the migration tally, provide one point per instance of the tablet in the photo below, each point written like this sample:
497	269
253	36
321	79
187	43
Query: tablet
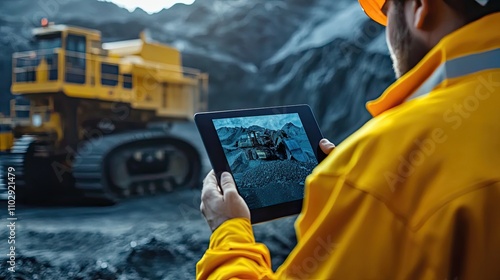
269	152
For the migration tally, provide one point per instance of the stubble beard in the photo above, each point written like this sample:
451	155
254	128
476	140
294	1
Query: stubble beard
401	39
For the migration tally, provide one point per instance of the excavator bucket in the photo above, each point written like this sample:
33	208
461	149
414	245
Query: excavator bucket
294	150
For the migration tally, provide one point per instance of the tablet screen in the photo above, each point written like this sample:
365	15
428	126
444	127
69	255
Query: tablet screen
269	156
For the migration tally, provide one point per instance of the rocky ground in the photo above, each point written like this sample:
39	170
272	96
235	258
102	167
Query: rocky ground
159	237
273	182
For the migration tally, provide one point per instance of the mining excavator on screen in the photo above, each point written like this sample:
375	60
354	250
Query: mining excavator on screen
270	145
100	117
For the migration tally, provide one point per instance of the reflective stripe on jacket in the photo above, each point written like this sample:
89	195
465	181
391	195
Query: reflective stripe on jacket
413	194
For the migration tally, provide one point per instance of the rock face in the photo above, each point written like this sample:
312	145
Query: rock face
325	53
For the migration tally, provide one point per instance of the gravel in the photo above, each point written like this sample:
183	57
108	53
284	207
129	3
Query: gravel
273	182
158	237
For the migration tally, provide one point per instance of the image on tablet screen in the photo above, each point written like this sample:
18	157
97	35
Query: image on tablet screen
269	156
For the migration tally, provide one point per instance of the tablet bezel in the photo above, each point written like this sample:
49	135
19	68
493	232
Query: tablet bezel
204	122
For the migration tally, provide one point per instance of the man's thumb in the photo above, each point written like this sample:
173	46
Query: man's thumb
227	183
326	146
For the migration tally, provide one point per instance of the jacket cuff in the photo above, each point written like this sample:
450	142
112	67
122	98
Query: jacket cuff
237	230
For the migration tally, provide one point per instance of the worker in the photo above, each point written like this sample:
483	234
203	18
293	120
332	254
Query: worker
414	193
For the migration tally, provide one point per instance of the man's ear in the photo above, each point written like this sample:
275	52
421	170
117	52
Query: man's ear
421	11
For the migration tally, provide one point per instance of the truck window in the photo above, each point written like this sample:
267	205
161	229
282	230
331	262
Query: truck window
75	59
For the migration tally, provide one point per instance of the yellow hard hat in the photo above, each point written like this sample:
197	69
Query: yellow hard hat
373	8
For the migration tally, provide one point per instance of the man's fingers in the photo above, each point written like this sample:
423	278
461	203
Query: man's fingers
326	146
210	187
227	184
210	178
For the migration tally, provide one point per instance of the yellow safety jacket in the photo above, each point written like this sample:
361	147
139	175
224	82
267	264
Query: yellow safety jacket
413	194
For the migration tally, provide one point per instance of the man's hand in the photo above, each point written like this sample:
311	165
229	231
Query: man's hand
326	146
219	204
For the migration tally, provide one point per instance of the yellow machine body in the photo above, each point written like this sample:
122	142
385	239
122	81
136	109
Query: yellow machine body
145	75
104	120
6	140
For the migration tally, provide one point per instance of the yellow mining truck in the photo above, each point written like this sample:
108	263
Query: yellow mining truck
105	120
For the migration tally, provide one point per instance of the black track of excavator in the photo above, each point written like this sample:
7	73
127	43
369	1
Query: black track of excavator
35	178
100	162
94	174
16	159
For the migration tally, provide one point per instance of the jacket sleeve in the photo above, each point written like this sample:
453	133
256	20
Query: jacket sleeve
233	254
342	232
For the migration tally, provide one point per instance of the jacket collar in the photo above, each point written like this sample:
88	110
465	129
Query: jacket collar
473	48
